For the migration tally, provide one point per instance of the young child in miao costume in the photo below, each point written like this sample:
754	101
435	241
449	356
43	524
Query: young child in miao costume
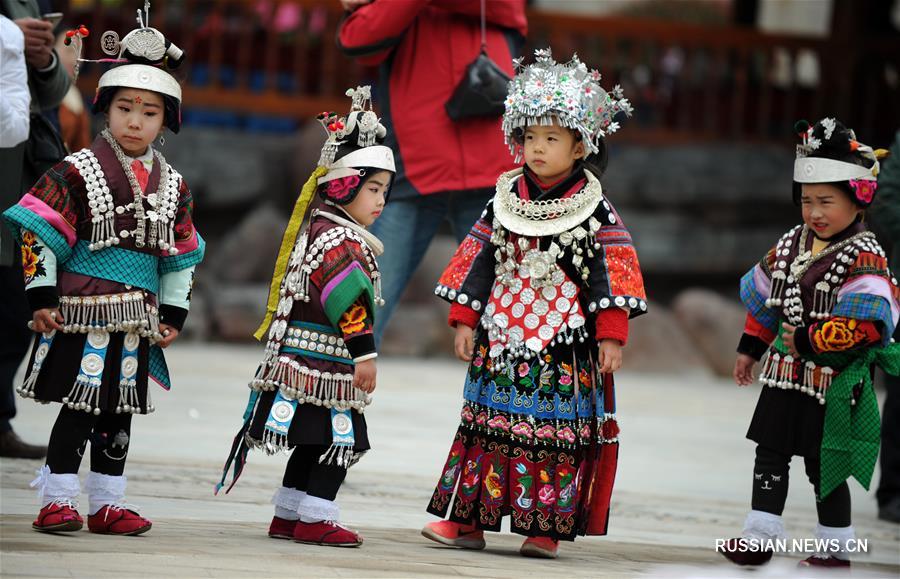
108	251
547	280
822	307
318	372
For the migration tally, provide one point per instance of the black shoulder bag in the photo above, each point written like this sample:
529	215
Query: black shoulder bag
483	88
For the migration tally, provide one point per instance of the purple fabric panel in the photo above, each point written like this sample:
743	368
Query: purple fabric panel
329	287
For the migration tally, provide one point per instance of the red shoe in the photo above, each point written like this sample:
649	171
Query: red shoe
114	520
327	533
540	547
58	517
282	528
739	551
819	560
454	535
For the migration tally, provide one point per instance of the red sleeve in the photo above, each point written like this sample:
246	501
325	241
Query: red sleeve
612	324
369	32
460	314
757	330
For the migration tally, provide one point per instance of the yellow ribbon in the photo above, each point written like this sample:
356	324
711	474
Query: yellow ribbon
287	245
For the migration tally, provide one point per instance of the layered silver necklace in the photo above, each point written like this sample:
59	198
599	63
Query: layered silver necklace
163	201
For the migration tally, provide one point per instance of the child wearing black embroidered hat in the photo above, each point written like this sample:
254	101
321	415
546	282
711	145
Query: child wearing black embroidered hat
823	305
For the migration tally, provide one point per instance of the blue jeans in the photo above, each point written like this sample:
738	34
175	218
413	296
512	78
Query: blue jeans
407	227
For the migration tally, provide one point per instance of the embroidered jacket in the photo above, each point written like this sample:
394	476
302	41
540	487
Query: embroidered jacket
532	272
108	265
323	324
842	300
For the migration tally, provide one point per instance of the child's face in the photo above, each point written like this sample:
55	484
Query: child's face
826	209
366	207
135	118
551	151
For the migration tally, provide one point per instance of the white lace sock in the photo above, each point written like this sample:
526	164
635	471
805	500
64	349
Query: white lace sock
287	501
104	489
56	488
837	538
314	509
763	526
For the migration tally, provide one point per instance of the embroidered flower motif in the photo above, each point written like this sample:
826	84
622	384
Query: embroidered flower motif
28	238
585	432
499	422
523	369
545	476
835	335
353	320
547	495
566	434
546	431
522	429
32	263
340	189
565	374
584	377
865	189
467	414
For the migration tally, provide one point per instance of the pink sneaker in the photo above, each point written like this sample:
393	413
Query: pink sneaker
327	533
282	528
454	535
58	517
540	547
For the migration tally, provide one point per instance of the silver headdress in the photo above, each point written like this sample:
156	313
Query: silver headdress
568	93
363	124
145	52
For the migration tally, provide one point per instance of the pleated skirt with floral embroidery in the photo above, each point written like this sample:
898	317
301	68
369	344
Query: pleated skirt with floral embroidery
537	441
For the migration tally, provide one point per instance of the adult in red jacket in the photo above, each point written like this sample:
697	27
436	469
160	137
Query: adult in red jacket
446	170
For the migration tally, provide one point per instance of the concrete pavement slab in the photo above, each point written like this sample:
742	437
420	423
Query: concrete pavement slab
683	482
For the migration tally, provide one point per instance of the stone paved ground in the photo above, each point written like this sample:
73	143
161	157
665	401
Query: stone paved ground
682	483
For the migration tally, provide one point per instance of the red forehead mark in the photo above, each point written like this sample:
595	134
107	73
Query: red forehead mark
138	100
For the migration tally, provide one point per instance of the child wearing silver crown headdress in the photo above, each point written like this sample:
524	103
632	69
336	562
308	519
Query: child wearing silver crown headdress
541	292
318	370
108	251
822	306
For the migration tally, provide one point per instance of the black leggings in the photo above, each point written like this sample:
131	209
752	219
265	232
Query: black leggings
770	488
108	432
304	473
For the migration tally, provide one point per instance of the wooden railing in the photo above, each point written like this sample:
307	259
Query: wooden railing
279	58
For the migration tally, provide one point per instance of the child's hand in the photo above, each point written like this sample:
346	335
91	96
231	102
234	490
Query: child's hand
743	370
610	355
788	338
169	333
364	376
464	343
47	319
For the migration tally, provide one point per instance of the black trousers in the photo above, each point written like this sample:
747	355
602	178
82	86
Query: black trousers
15	337
108	433
304	473
770	488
